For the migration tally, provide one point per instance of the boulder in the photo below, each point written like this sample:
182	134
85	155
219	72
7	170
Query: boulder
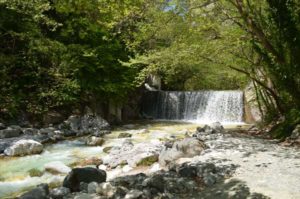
30	131
296	133
86	175
89	123
215	127
9	132
40	192
94	141
106	189
133	155
92	187
133	194
188	147
24	147
57	168
59	193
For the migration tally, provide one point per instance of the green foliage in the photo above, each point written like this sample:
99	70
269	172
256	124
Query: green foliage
190	50
58	54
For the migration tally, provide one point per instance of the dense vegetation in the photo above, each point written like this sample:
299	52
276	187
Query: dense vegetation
57	53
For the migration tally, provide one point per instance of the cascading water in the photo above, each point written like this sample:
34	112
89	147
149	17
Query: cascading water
198	106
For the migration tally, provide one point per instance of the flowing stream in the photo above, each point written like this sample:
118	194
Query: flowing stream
263	166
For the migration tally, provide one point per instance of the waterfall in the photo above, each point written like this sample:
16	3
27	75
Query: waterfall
197	106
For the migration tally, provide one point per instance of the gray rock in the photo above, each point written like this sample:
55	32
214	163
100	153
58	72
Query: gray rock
83	187
296	133
11	131
40	192
210	179
87	175
133	194
94	141
24	147
47	131
92	187
188	147
30	131
59	193
133	155
156	181
89	123
106	189
186	170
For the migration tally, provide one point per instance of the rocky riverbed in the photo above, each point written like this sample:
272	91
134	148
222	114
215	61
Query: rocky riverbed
162	160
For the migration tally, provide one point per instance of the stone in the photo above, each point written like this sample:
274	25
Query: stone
106	189
11	131
47	131
30	131
155	181
57	167
3	145
92	187
188	147
148	160
24	147
87	175
217	127
83	187
133	194
59	193
133	155
94	141
89	123
296	133
107	149
209	179
186	170
124	135
40	192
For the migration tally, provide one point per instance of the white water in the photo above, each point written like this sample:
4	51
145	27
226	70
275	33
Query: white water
197	106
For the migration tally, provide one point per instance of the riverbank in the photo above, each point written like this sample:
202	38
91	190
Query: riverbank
251	158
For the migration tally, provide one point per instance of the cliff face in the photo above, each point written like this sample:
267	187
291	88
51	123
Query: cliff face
252	112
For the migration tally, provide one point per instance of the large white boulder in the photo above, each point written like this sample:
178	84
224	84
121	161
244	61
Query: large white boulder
24	147
188	147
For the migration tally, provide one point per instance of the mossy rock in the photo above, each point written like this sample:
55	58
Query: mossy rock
148	161
124	135
107	149
53	185
35	173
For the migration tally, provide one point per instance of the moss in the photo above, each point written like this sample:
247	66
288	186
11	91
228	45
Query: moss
107	149
148	161
285	128
35	173
53	185
124	135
